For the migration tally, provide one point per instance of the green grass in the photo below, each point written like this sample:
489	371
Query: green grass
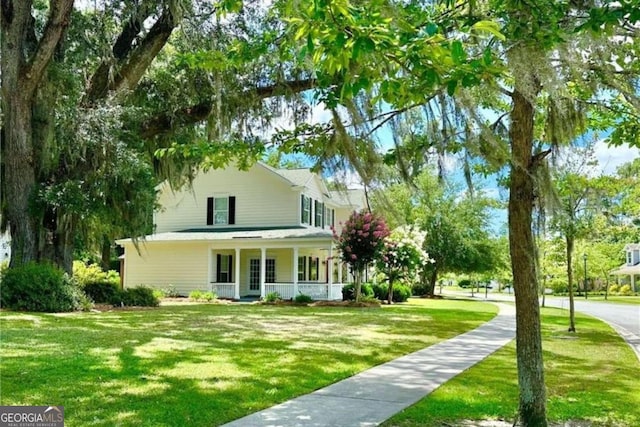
616	299
592	375
204	365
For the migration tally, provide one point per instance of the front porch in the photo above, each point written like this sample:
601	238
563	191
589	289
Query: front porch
246	271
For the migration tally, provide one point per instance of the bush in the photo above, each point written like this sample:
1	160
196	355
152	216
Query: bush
303	299
140	296
272	297
195	295
101	292
380	291
92	273
558	285
625	290
171	292
614	289
159	293
419	289
208	296
465	283
348	291
401	293
40	287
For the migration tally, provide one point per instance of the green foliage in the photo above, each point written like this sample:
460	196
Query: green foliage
401	293
272	297
92	273
465	283
348	291
558	285
40	287
403	256
101	292
159	294
302	299
140	296
614	289
419	289
195	295
209	296
625	290
170	292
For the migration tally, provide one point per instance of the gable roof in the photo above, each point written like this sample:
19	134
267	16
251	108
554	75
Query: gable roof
354	198
632	247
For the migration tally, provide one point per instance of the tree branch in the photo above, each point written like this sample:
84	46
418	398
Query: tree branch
56	23
167	122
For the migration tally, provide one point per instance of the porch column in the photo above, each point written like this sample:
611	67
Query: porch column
295	271
330	273
236	270
263	270
339	270
211	276
633	282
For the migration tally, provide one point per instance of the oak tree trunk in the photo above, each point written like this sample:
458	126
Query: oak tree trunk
532	406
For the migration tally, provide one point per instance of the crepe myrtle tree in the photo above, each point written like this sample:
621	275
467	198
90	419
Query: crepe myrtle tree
361	242
403	256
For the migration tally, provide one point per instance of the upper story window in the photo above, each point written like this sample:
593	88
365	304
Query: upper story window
329	217
629	260
305	209
319	211
221	210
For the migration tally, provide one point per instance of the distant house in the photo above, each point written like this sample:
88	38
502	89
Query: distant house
632	266
5	247
245	233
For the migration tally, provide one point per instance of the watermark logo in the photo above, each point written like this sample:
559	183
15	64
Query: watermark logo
31	416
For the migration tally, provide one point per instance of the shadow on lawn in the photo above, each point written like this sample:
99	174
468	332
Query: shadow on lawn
200	365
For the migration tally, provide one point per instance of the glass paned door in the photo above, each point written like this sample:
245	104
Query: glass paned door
254	275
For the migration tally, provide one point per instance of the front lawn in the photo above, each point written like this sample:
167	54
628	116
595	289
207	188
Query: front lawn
204	365
591	375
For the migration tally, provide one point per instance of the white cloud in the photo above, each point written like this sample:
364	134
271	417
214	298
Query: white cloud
609	158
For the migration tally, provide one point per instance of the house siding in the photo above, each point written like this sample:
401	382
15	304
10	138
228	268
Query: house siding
183	265
262	199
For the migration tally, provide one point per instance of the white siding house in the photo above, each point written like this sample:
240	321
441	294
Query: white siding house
244	233
631	267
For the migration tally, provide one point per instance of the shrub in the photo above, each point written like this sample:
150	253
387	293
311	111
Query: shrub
348	291
558	285
369	299
159	293
195	295
401	293
380	291
140	296
419	289
92	273
625	290
272	297
40	287
614	289
303	299
465	283
101	292
208	296
171	292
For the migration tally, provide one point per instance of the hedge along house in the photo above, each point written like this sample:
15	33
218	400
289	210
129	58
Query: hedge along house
245	234
631	267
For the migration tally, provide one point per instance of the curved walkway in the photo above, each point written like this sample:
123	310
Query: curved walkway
374	395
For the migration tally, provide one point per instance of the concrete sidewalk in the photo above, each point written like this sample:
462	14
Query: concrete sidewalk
372	396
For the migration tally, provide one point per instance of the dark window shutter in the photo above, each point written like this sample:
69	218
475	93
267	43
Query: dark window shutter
315	213
302	208
210	211
231	268
323	214
232	210
333	217
218	262
309	268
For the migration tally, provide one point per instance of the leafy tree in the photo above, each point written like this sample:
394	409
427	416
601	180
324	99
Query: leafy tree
403	256
360	242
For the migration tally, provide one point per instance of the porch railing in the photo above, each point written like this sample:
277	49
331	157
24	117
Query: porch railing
224	290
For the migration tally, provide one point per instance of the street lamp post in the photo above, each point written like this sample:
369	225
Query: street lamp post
584	257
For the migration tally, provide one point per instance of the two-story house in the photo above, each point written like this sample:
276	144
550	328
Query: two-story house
245	233
632	267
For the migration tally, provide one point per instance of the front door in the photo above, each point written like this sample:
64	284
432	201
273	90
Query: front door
254	276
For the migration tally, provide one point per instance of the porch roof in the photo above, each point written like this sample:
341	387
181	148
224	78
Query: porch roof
625	270
239	233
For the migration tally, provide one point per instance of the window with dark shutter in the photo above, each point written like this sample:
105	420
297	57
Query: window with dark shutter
232	210
302	268
210	211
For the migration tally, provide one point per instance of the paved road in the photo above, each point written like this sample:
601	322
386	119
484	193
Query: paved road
624	318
